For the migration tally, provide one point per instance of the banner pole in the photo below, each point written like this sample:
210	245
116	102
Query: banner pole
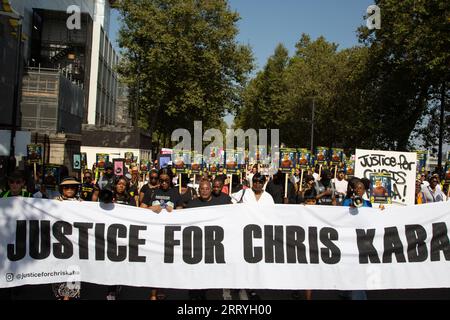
301	181
285	185
231	184
179	183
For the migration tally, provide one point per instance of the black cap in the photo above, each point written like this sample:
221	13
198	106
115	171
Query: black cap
16	175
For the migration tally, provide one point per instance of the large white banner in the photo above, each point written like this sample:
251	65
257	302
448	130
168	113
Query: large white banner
233	246
401	166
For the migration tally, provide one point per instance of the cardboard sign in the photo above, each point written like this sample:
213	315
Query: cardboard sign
400	165
337	157
101	160
129	157
322	156
52	178
380	188
76	163
119	165
181	160
421	161
34	153
303	159
197	163
287	160
83	159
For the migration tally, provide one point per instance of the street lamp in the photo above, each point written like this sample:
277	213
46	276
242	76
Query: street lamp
19	18
312	125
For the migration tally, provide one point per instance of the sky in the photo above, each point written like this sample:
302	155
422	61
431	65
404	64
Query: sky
266	23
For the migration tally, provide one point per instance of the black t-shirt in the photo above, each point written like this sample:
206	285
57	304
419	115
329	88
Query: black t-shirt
188	196
223	198
276	190
125	199
87	190
165	196
148	192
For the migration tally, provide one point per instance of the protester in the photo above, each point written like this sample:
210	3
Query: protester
255	195
165	197
276	188
106	181
187	193
420	196
432	192
325	190
307	187
218	195
149	188
63	291
16	184
121	193
89	190
122	196
340	184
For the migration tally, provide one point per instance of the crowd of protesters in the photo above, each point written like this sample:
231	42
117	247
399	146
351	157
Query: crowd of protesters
161	190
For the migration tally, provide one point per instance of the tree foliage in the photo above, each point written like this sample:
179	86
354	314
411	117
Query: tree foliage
182	61
381	94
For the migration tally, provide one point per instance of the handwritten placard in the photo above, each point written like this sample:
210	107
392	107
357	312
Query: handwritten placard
400	165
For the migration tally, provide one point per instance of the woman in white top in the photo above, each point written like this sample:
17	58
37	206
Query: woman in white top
254	195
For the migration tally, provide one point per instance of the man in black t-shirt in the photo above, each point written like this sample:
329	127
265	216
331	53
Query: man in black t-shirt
219	197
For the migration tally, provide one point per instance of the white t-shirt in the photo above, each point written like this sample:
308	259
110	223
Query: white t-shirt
341	186
434	196
249	197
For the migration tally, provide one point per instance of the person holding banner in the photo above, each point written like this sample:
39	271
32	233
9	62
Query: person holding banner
165	197
420	196
219	196
89	190
107	179
121	192
255	195
275	187
325	190
64	291
432	192
148	189
187	194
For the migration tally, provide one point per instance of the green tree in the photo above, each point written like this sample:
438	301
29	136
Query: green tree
407	67
183	61
263	99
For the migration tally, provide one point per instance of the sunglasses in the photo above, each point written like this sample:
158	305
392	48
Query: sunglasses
15	181
70	187
154	178
87	177
164	180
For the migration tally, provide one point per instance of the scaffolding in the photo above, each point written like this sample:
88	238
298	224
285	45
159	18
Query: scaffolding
51	102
